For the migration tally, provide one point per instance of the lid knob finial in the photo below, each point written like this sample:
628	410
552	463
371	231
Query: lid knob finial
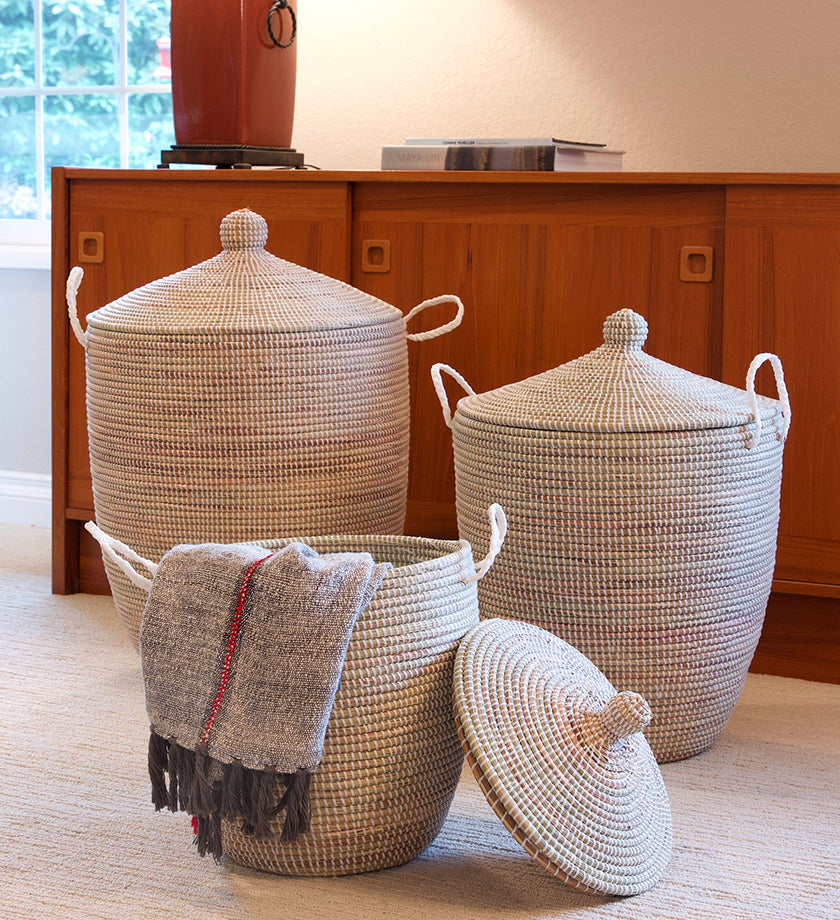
626	329
243	229
624	714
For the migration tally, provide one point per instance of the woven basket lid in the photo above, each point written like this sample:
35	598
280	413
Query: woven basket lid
561	758
616	388
243	289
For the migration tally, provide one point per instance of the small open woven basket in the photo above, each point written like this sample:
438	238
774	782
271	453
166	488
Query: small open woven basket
392	757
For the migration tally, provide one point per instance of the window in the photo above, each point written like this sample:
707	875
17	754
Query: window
82	83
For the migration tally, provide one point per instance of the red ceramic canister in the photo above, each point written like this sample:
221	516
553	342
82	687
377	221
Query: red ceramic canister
233	71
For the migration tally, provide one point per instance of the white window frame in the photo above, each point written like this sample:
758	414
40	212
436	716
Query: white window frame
26	243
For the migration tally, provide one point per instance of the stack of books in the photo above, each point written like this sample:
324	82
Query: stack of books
549	154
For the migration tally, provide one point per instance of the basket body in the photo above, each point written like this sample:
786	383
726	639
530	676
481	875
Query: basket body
392	757
652	556
640	532
228	438
242	397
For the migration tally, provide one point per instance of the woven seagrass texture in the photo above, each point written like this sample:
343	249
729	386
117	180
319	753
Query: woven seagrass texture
392	757
560	757
651	551
242	397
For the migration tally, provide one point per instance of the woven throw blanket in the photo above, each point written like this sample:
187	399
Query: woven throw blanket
242	652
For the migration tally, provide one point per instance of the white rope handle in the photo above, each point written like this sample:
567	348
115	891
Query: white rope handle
111	546
437	382
447	327
498	531
779	374
74	280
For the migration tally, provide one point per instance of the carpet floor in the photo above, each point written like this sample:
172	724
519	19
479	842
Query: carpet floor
756	818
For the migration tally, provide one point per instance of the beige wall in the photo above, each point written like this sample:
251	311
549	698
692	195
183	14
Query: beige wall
25	376
720	85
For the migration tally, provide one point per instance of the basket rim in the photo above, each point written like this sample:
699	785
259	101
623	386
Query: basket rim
98	321
466	413
448	550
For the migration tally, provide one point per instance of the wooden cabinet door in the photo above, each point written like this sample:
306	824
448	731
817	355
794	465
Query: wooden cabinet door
126	229
782	295
539	266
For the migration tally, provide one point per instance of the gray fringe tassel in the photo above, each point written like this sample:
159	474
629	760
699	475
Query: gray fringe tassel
296	802
241	794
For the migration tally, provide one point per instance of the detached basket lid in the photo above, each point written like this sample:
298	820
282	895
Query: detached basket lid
561	759
617	388
243	289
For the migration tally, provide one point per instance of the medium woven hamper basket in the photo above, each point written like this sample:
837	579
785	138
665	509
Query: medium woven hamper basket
392	757
643	503
243	396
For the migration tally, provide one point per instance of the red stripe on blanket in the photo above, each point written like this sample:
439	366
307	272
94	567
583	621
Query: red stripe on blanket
232	639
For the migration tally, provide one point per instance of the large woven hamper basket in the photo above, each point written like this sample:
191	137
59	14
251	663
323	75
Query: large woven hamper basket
243	396
643	503
392	756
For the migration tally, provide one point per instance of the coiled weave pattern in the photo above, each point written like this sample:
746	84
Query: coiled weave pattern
241	397
392	757
640	531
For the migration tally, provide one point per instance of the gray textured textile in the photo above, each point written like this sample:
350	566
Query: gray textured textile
295	621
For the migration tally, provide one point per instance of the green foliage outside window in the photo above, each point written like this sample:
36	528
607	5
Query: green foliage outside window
80	49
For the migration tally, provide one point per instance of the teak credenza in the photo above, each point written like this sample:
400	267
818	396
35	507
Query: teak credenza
722	265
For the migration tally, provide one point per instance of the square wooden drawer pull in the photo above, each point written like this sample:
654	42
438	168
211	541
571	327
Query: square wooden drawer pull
376	255
91	246
696	263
